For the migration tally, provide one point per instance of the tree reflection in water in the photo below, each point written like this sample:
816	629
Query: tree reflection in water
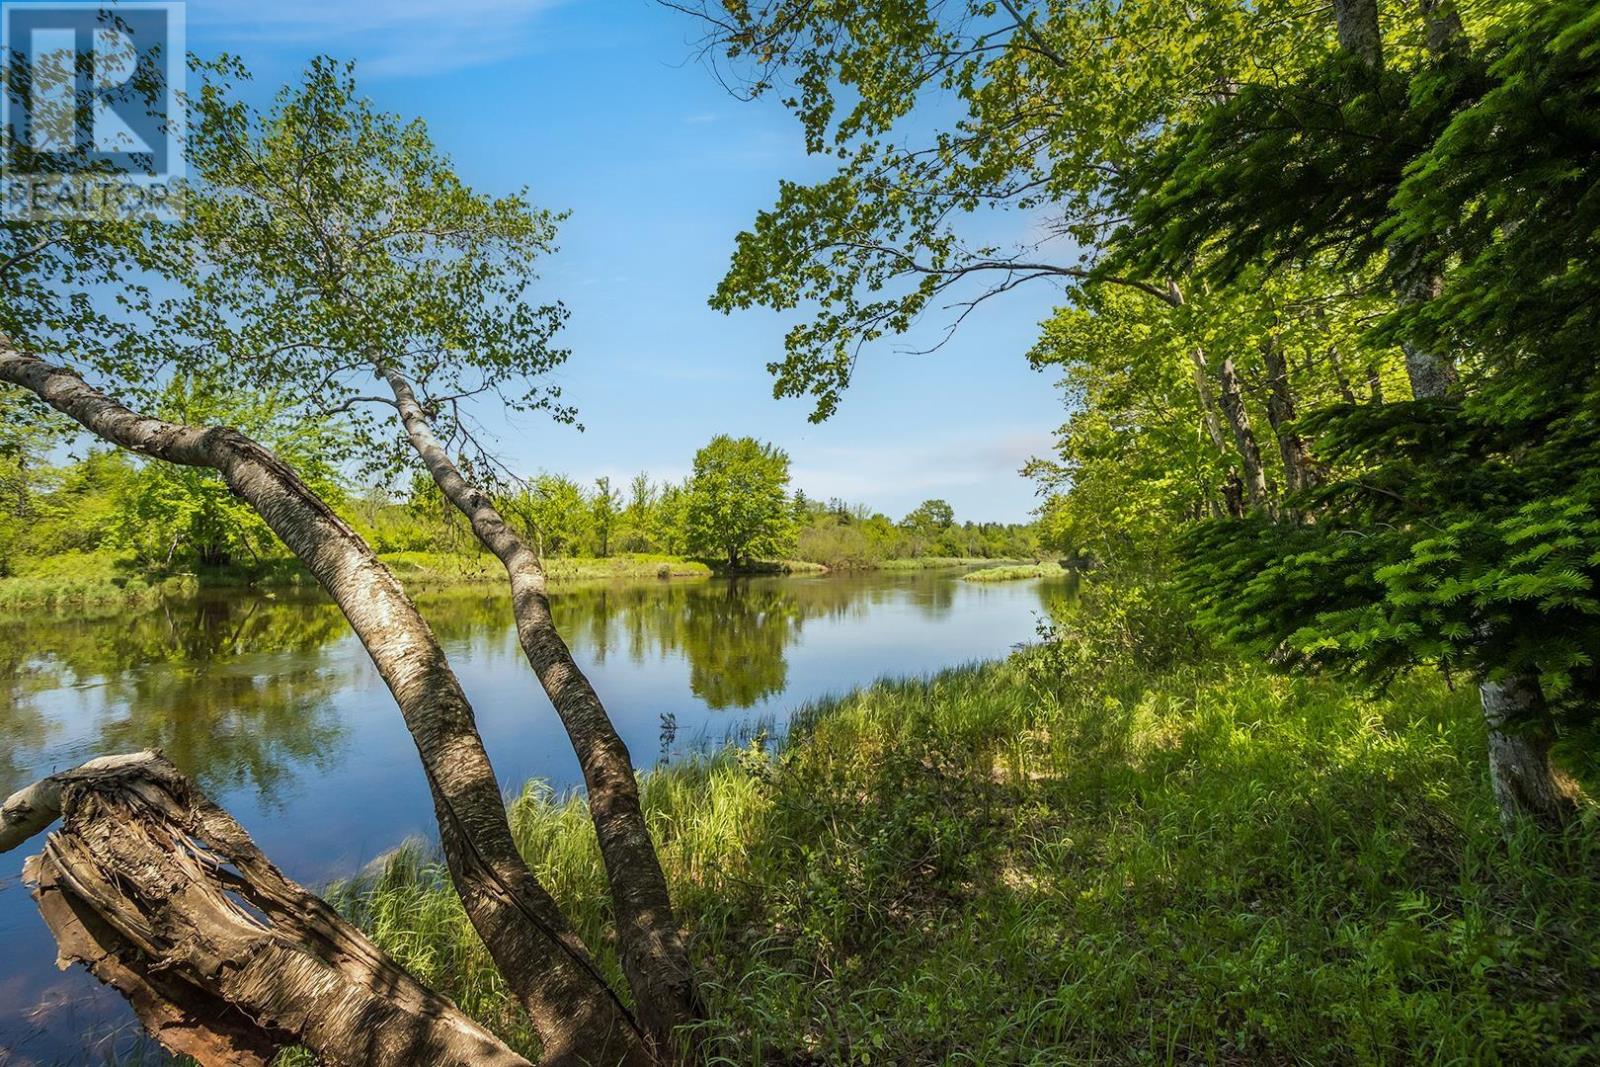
230	687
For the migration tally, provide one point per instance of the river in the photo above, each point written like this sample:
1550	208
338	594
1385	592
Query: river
272	705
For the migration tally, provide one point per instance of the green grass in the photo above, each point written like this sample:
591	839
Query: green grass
1001	867
450	568
85	581
103	580
1015	573
928	563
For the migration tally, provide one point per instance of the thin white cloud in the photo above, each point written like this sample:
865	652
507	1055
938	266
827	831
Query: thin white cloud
406	37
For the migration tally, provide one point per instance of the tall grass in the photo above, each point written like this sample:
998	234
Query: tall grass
1002	865
1016	573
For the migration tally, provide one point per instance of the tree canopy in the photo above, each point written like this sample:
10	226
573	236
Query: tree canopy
736	504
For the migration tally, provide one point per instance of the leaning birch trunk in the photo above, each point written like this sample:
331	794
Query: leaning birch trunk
578	1017
650	945
164	897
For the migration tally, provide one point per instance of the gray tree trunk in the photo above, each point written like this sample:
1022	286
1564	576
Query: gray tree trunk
1299	469
1208	402
1520	736
1442	29
1432	374
1525	781
1255	474
651	947
1359	34
545	966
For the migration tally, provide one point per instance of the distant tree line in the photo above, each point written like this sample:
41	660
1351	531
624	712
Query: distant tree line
737	506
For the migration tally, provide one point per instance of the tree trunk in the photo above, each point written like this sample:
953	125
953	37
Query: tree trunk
164	897
1514	709
1208	403
1232	405
1432	374
1526	785
1442	29
1346	393
1359	34
545	966
651	947
1375	383
1299	469
1255	476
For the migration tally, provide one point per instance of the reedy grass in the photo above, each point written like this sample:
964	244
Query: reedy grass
1001	866
1015	573
928	563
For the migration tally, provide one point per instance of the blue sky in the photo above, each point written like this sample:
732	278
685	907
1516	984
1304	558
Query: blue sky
600	108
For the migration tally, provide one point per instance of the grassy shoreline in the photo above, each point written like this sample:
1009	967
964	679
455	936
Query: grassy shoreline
997	866
98	581
1016	572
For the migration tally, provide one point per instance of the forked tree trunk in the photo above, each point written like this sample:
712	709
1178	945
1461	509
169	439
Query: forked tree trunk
650	945
578	1017
1299	468
1255	474
1231	403
164	897
1208	402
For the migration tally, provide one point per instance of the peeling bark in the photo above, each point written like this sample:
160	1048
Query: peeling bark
546	967
652	951
162	895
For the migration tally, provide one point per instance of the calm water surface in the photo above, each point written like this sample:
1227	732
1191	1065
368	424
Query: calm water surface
274	707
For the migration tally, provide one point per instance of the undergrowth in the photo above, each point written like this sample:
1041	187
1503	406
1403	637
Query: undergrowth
1024	863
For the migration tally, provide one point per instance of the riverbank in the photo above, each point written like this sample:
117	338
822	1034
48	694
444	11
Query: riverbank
1002	865
102	580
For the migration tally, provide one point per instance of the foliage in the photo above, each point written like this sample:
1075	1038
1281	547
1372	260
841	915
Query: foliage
556	513
1264	222
331	240
737	504
949	124
1015	573
168	509
1062	849
1456	531
604	507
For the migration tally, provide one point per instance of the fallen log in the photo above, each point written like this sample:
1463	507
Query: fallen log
164	897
